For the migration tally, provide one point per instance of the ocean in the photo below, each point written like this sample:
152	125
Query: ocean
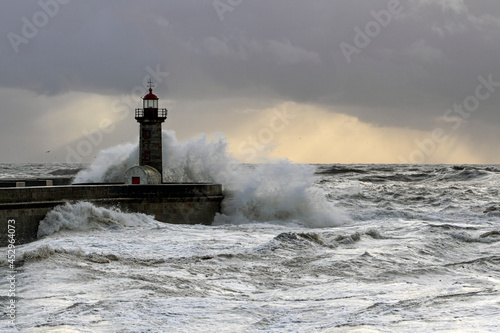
297	248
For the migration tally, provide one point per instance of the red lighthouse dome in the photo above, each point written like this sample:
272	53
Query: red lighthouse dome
150	100
150	95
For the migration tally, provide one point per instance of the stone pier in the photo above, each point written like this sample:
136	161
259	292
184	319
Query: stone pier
172	203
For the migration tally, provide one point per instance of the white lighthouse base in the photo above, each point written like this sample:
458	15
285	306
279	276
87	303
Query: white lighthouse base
142	175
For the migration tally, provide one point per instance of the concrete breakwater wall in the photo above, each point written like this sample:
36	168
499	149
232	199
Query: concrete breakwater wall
21	182
171	203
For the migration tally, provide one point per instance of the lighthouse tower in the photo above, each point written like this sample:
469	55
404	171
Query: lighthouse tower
150	119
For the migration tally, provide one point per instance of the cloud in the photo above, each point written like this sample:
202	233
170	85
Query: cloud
284	53
422	51
456	6
263	53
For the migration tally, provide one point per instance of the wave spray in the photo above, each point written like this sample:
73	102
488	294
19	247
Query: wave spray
278	191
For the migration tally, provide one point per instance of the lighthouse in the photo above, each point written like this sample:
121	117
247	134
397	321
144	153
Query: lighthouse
150	118
143	189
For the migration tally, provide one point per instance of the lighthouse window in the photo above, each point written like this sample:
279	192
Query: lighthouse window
147	155
150	103
146	134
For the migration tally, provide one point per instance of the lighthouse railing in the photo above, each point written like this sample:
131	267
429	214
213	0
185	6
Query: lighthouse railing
162	113
139	113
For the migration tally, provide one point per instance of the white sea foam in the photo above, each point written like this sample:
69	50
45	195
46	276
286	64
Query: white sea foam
85	216
276	191
39	252
110	165
383	272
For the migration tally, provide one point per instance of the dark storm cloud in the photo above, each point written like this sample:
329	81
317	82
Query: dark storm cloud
427	58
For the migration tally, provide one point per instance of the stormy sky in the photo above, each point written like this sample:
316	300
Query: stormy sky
320	81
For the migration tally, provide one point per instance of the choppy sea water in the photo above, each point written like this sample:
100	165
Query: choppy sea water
360	248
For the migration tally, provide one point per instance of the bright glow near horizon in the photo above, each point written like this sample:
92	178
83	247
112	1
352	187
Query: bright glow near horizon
382	81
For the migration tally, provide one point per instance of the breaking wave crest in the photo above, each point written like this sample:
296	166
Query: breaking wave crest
83	216
277	191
